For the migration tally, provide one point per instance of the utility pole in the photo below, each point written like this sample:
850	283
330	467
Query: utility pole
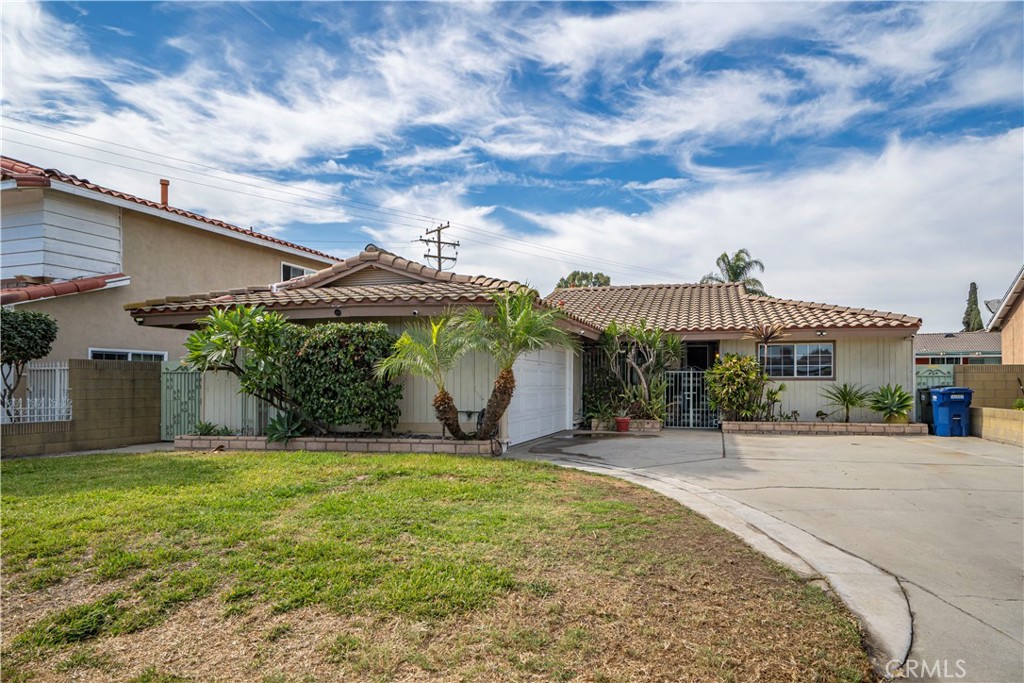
438	245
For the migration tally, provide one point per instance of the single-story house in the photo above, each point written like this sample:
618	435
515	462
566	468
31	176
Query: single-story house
823	345
958	348
377	285
1009	321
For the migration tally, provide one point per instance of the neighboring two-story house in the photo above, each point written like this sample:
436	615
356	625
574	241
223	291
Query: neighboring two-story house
79	251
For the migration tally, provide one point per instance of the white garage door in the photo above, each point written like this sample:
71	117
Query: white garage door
540	404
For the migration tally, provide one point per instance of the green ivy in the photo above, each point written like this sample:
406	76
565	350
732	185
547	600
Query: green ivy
330	371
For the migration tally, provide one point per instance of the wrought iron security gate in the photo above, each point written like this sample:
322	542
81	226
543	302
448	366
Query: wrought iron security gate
180	400
687	398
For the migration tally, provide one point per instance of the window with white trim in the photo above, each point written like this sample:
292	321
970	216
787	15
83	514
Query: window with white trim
290	270
127	354
811	360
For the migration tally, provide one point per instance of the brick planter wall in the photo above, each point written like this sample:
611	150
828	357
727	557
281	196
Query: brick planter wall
998	424
836	428
350	445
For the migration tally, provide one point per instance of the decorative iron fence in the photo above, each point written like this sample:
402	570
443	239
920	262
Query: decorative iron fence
47	396
687	399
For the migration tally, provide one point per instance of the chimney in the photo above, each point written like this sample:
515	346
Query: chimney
164	184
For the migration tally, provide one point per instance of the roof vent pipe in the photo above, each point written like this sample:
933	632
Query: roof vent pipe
164	184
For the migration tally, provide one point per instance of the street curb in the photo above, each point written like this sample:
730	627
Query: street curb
874	596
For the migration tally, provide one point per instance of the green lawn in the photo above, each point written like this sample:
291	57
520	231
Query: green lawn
300	566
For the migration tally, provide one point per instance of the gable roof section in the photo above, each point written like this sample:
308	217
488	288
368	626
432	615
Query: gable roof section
714	308
19	295
1009	299
400	285
957	343
26	175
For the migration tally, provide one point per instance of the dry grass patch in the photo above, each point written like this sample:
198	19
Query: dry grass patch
320	567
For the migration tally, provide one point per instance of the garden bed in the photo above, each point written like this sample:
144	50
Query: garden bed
347	444
850	428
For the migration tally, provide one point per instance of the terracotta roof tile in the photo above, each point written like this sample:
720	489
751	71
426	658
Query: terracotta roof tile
27	175
15	295
711	308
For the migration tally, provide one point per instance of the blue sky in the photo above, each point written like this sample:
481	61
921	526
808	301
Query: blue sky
870	154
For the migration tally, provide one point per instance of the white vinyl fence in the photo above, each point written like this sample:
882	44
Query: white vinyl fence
47	395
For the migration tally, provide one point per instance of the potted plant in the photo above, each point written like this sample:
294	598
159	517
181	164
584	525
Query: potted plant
893	402
622	419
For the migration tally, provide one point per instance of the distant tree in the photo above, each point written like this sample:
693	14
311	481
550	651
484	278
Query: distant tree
24	336
738	268
579	278
972	316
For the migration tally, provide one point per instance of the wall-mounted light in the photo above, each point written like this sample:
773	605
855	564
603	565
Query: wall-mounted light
821	333
140	320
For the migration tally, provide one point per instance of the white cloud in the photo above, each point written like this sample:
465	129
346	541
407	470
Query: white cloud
905	230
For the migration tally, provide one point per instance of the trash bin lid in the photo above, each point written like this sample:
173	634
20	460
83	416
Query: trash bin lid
952	390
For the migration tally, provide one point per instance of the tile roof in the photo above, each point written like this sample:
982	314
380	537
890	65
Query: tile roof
27	175
422	292
317	290
17	295
957	342
373	255
712	308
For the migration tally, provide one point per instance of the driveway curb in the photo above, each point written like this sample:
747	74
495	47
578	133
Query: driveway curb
873	595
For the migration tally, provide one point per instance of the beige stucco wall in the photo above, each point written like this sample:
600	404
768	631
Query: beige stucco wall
1012	334
162	258
867	361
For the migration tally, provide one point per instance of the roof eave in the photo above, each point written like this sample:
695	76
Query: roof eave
1009	299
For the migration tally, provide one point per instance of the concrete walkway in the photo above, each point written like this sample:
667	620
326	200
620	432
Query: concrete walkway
921	537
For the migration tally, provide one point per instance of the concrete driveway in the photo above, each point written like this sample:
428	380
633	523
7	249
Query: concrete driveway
940	518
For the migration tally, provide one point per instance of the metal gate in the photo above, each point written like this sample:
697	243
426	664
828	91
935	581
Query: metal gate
687	398
180	400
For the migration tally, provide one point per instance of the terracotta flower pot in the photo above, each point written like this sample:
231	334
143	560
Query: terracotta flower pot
622	424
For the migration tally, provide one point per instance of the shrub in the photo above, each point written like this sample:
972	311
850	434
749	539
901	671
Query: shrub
738	387
1018	404
330	373
846	396
893	402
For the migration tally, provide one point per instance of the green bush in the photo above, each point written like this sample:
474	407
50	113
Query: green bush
330	372
1018	404
738	387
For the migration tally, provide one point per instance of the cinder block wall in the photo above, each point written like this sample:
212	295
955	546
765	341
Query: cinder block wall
115	403
996	424
995	386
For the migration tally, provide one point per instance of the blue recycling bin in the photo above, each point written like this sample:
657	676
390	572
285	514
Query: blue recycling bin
951	411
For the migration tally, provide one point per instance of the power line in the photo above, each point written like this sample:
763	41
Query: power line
439	246
333	200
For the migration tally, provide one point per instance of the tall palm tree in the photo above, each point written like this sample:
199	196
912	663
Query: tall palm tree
738	268
430	349
515	327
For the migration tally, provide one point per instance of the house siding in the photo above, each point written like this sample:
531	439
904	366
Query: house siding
161	257
868	361
1013	334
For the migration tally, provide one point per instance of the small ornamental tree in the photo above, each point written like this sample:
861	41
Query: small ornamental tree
972	315
330	371
24	336
646	353
516	326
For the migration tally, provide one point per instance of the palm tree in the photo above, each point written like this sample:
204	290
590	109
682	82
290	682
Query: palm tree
738	268
430	349
516	326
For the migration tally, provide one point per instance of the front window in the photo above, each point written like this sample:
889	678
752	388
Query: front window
798	360
124	354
